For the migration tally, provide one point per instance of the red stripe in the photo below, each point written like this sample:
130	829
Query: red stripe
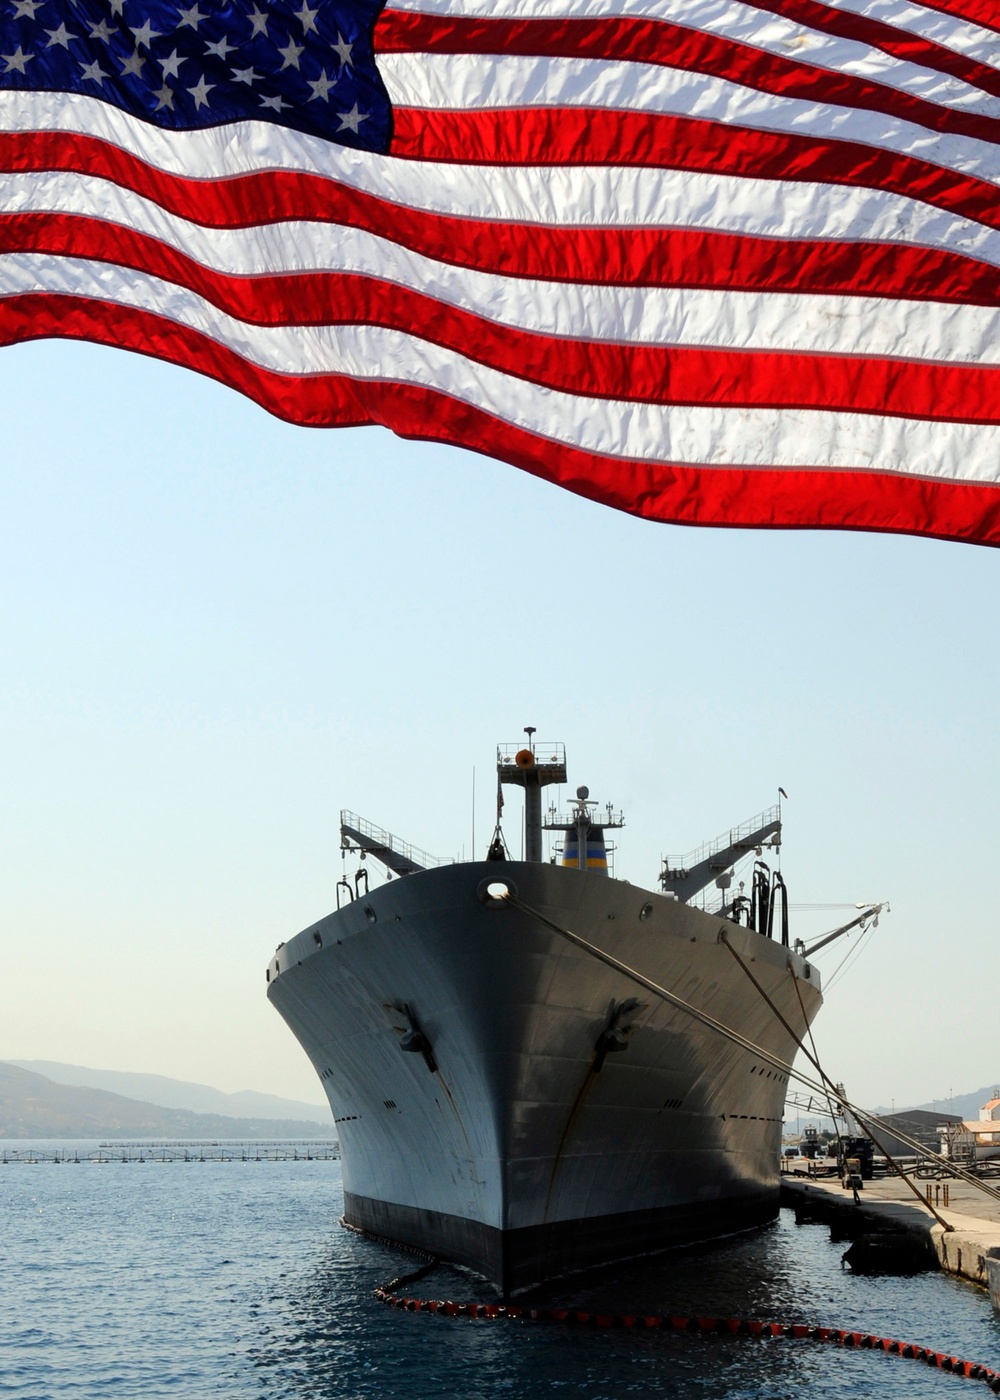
982	12
671	46
661	375
629	256
900	43
846	499
668	258
540	137
644	40
578	136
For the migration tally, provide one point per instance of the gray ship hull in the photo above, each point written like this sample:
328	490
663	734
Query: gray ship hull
510	1145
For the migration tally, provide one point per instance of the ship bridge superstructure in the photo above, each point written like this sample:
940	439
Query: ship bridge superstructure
759	903
533	766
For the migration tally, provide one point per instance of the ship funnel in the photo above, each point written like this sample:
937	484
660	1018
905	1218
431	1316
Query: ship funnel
595	851
584	846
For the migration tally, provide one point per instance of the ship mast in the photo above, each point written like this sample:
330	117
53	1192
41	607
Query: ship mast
532	770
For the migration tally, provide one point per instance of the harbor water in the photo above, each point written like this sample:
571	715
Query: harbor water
233	1279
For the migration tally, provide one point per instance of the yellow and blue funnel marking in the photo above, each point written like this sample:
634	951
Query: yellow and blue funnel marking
597	852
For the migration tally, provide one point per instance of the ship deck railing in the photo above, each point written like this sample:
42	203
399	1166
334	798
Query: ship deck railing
380	837
735	836
546	755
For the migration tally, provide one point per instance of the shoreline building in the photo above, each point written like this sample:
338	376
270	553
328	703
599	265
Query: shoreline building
986	1128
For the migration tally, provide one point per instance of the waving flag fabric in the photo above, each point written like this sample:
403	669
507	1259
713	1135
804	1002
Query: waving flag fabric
706	261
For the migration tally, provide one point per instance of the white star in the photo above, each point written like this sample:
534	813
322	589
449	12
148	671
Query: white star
291	54
93	71
117	7
193	17
165	96
145	34
307	16
200	93
133	64
321	87
171	65
25	9
275	103
221	48
60	36
245	75
259	21
102	31
350	121
16	61
343	50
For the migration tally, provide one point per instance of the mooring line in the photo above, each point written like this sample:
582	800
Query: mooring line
769	1057
729	1326
829	1085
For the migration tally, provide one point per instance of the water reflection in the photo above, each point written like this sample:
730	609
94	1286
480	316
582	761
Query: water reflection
325	1337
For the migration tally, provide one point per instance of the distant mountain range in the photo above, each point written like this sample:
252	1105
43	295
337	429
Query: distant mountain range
35	1106
960	1105
966	1105
47	1099
177	1093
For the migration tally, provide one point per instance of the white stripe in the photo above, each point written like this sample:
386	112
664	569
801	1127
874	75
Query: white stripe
949	31
461	82
588	196
713	436
568	196
787	39
762	321
671	199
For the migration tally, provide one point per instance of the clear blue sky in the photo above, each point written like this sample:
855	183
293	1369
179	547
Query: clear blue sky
217	630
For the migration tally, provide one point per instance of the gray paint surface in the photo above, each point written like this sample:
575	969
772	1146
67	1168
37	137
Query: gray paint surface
518	1129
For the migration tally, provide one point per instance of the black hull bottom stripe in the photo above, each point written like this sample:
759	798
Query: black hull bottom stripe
516	1259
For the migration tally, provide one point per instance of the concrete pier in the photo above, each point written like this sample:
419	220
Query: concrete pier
970	1250
993	1275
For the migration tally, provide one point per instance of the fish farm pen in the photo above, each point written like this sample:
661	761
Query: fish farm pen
173	1152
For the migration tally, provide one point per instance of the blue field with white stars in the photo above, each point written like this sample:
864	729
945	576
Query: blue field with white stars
311	67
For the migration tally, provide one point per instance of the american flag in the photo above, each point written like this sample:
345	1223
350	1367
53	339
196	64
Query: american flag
707	261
